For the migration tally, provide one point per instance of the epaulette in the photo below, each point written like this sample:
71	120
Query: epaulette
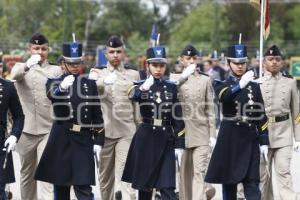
200	72
52	63
101	67
130	66
217	82
287	75
138	82
171	82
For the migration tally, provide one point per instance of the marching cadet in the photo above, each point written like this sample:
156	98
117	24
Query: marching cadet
281	99
160	132
119	118
9	101
199	119
31	78
243	131
77	132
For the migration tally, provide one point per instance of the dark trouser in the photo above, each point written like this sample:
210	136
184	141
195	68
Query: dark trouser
2	191
166	194
251	190
82	192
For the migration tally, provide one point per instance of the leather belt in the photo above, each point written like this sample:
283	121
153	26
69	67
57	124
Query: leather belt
278	118
73	127
239	119
157	122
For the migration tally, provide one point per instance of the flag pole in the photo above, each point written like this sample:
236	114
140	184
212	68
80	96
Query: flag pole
261	41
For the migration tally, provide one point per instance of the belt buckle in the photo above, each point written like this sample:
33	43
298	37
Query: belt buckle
157	122
244	119
272	119
75	128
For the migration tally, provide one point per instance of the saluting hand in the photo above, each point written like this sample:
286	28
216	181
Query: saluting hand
246	78
147	84
188	71
67	82
33	60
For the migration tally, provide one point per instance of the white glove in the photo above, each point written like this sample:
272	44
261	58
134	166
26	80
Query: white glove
93	76
178	154
246	78
33	60
212	142
264	151
110	79
297	146
11	141
188	71
67	82
147	84
97	150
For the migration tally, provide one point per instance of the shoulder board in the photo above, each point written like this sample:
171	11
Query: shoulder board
202	73
101	67
129	66
52	63
138	82
171	82
287	75
217	82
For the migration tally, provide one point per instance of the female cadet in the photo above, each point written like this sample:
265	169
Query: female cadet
243	131
151	158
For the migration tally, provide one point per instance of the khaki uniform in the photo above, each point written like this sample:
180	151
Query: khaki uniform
120	125
281	98
196	96
37	108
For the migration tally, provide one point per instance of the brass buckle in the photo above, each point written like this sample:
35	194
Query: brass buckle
75	128
272	119
157	122
244	119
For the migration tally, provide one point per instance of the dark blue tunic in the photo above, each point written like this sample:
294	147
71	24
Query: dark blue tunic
243	128
151	158
68	156
9	101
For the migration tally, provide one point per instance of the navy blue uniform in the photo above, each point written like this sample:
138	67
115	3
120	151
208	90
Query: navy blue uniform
68	156
9	101
236	156
151	158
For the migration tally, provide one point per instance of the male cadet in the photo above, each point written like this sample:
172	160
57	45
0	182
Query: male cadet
76	134
31	78
281	99
196	95
9	101
119	118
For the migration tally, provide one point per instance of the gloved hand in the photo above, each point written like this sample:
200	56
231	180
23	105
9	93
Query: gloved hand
264	151
188	71
97	150
297	146
147	84
33	60
93	76
246	78
10	143
178	154
110	79
67	82
212	142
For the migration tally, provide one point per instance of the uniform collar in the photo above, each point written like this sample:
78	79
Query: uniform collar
44	64
232	77
268	75
120	68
